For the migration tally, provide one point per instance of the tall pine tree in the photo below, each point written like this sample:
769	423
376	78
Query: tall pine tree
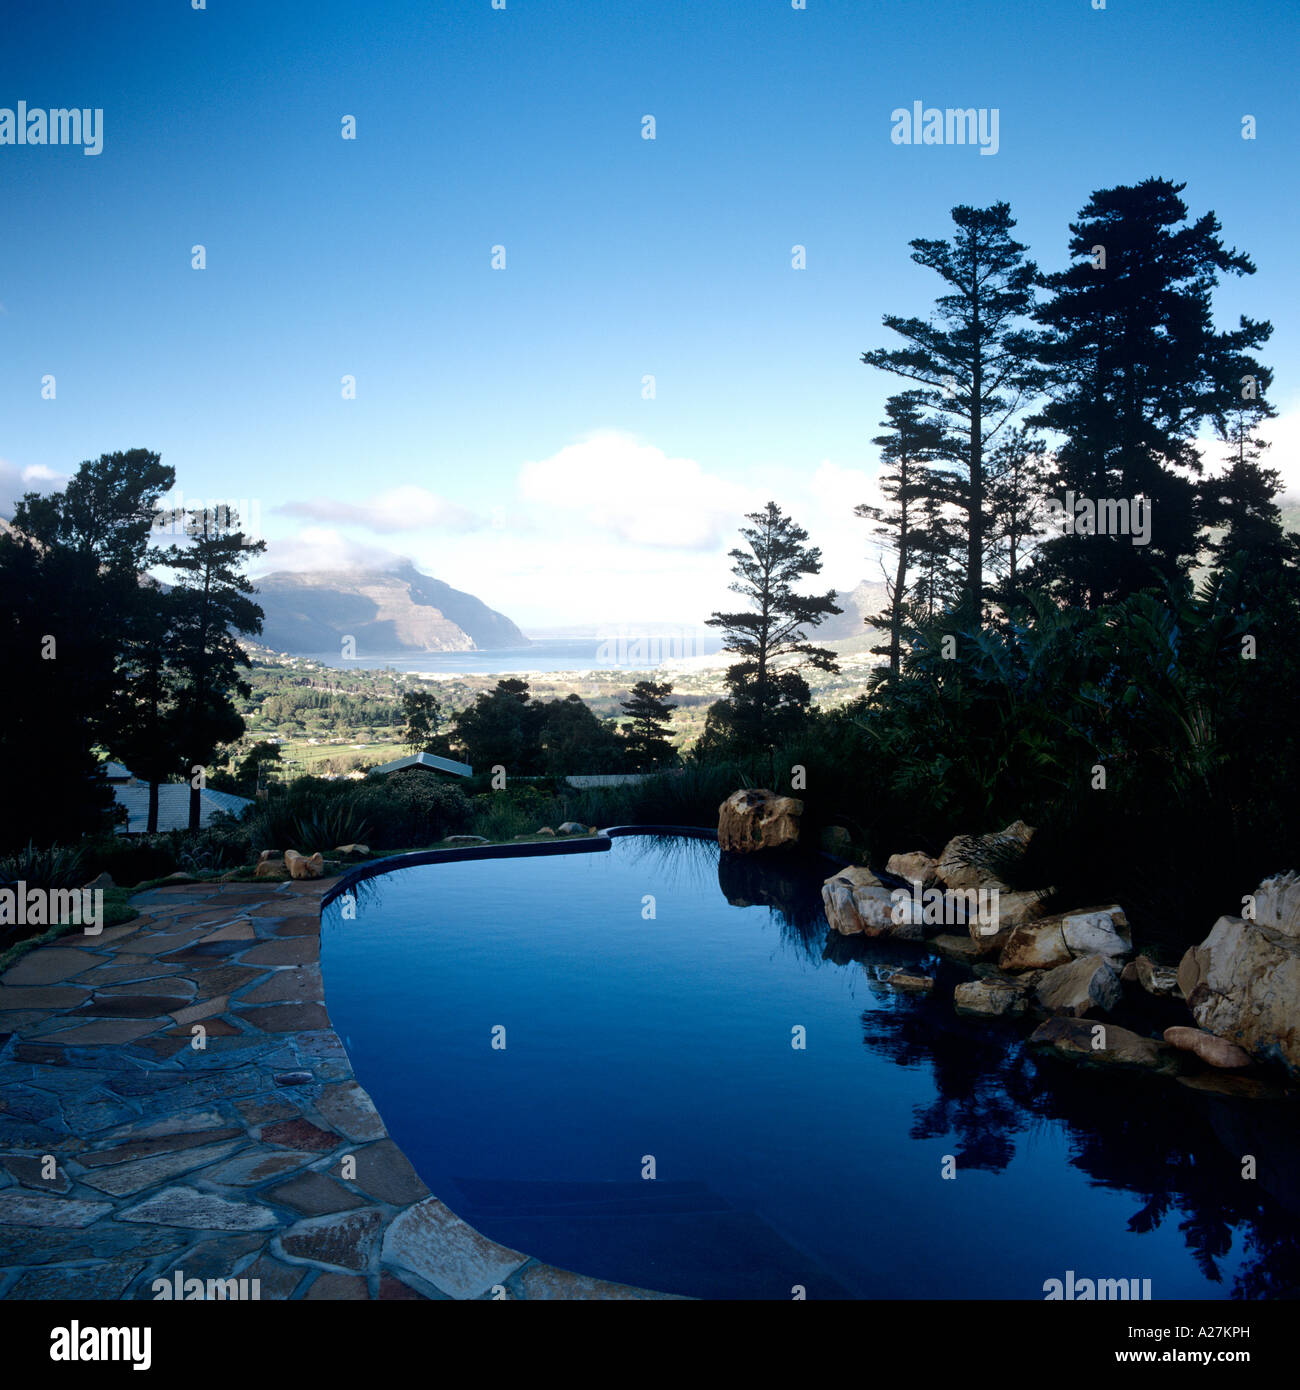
1136	367
212	605
973	358
906	479
767	695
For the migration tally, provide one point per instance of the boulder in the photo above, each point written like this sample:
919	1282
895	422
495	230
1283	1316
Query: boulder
268	854
857	903
546	830
1097	930
350	852
910	984
1035	946
758	819
992	997
1005	911
1159	980
572	827
270	868
1216	1052
466	840
1087	983
1277	903
915	866
1242	983
1084	1040
1066	936
955	868
104	880
300	866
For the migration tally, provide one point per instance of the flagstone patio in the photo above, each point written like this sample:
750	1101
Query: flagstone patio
173	1097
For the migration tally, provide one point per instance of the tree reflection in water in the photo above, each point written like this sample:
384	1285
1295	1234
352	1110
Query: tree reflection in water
1177	1152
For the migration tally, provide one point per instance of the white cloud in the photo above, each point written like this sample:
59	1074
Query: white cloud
322	548
16	479
1282	434
630	491
405	508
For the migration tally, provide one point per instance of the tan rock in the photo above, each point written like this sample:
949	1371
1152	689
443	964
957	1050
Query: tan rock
992	997
1159	980
1277	903
955	868
300	866
1216	1052
269	868
1065	936
1242	983
350	851
757	819
268	854
1006	911
857	903
915	866
1078	987
910	984
1087	1040
1036	946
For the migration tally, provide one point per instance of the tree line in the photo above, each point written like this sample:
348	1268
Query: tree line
1116	361
99	655
508	727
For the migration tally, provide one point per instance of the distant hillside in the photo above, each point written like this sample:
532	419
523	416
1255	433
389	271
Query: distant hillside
861	603
388	612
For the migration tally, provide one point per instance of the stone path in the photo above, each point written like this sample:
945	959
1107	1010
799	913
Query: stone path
173	1098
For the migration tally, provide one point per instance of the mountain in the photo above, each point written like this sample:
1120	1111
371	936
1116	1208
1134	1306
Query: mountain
864	601
388	612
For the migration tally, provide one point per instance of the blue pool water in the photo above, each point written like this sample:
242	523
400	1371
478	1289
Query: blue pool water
631	1037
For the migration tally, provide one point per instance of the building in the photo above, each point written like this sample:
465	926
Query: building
173	802
429	760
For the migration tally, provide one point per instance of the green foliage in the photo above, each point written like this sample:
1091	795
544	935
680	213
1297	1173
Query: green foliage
59	866
768	698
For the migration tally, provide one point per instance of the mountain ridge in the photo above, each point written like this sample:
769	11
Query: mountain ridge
388	611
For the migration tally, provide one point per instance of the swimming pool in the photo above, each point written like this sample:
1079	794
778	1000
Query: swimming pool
654	1064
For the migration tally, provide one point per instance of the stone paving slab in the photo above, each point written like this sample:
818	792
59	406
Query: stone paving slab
175	1098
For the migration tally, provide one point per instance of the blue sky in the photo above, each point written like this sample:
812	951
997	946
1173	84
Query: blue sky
499	434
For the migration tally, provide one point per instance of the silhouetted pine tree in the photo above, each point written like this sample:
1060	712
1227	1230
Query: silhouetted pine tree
973	358
768	697
906	450
646	739
1136	366
211	607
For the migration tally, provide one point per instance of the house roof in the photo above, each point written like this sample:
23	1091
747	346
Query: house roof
431	760
173	805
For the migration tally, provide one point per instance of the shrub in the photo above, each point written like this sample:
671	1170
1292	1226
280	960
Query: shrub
57	867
